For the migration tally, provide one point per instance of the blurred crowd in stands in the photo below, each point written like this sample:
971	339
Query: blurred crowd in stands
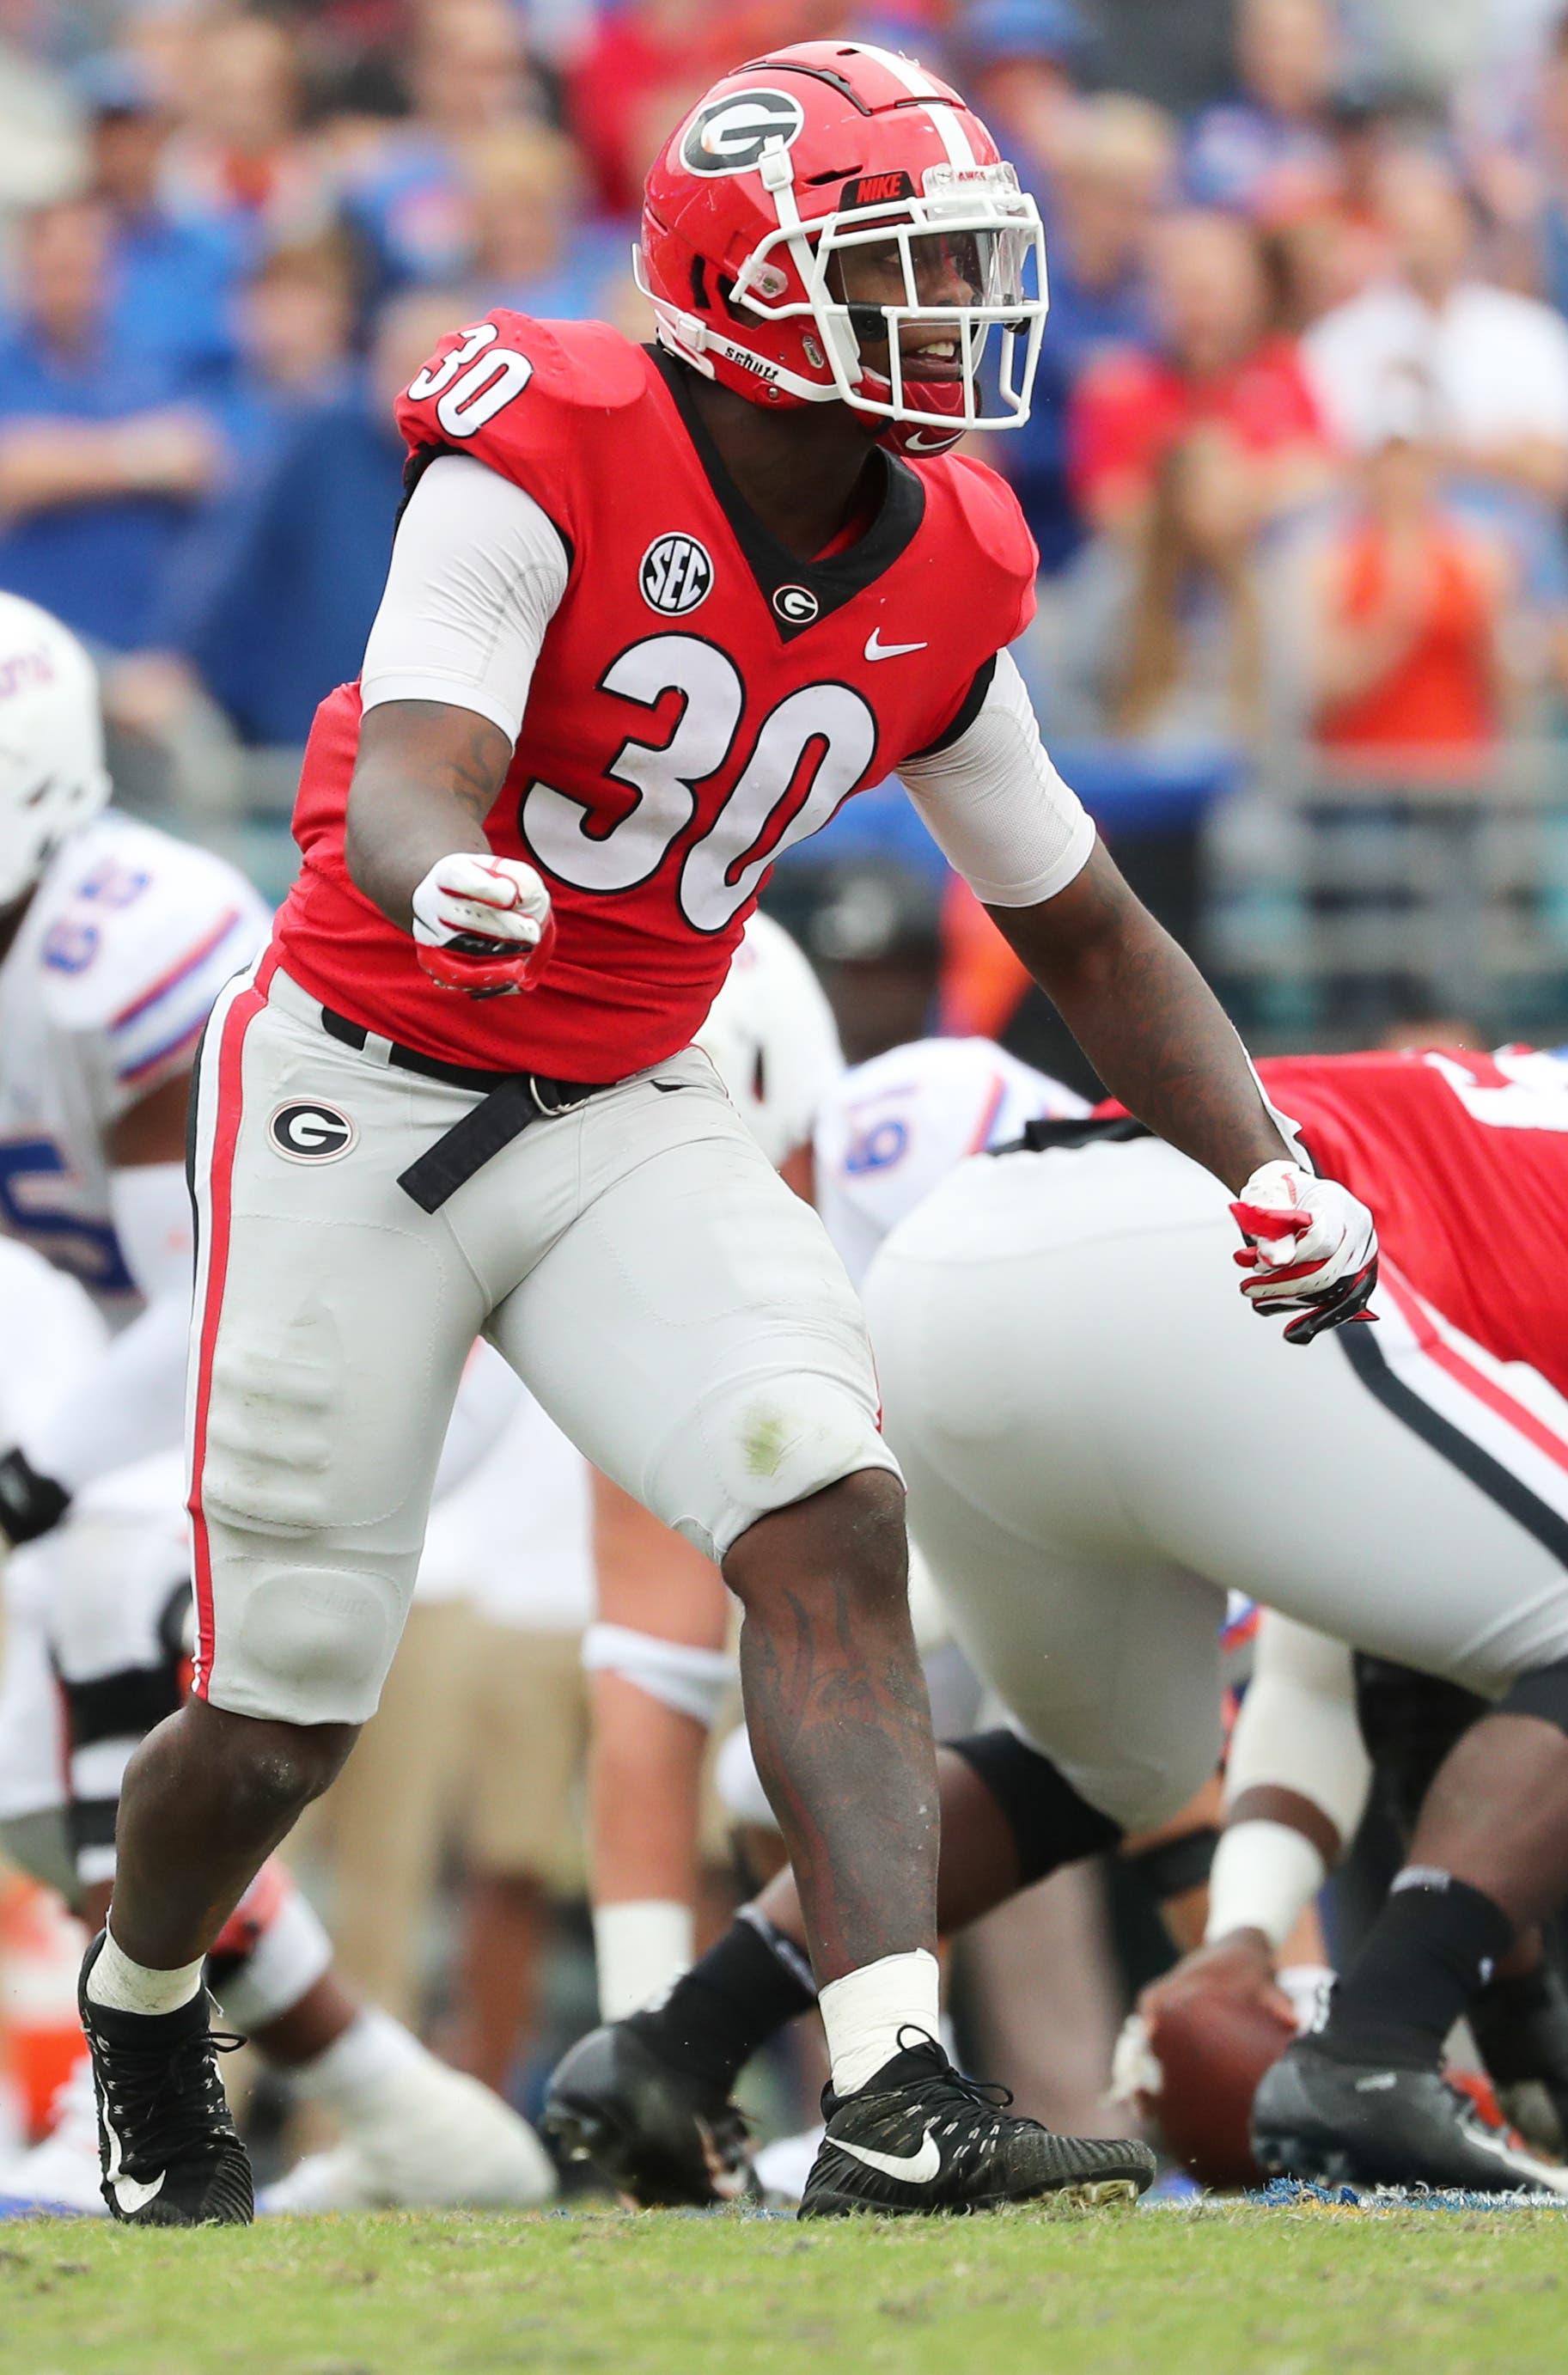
1298	460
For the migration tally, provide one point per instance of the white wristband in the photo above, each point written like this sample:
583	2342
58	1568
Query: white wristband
1264	1873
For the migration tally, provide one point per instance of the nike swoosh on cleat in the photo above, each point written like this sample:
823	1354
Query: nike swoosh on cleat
909	2168
131	2194
878	650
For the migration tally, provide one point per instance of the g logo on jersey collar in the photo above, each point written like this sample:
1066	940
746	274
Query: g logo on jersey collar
729	134
796	605
675	574
304	1130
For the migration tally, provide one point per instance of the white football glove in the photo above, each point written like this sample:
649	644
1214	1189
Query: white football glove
483	925
1312	1248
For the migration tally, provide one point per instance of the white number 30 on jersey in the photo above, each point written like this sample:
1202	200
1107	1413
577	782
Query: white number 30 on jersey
475	381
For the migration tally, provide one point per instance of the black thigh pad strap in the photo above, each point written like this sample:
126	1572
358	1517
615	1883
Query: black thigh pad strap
1050	1823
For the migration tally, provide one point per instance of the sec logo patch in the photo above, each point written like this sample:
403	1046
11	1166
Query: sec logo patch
306	1131
675	574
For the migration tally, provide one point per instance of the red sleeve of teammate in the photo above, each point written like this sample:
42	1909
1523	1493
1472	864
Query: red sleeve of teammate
522	397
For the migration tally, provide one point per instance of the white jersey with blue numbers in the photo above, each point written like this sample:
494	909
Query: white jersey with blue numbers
893	1127
104	995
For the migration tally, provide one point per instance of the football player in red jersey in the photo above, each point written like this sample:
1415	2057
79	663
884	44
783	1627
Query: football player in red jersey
652	615
1086	1491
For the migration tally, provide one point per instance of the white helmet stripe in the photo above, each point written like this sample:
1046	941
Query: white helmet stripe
918	83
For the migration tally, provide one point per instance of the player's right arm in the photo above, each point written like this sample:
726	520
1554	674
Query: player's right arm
476	573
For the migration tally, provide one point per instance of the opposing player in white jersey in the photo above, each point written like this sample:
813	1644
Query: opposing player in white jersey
114	939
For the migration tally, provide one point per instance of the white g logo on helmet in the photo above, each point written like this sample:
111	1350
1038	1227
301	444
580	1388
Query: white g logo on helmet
53	778
729	134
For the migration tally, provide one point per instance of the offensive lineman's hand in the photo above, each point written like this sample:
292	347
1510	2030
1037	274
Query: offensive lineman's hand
1311	1249
1239	1967
483	925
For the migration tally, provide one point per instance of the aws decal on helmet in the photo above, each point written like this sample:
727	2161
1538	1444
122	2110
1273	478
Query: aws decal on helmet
832	224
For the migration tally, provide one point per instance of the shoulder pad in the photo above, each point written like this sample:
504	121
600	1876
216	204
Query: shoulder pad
994	516
147	929
585	363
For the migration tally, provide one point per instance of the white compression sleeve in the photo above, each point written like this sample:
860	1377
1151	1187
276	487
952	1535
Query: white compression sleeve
131	1402
995	805
477	572
1297	1730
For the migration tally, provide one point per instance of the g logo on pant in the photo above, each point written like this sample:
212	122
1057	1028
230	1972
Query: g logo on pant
304	1131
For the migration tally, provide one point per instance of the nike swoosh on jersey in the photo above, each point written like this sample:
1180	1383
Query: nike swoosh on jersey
909	2168
878	650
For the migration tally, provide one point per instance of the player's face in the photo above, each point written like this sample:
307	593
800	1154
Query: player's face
948	268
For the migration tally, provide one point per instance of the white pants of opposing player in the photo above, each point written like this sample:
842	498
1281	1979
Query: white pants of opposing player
1100	1440
674	1307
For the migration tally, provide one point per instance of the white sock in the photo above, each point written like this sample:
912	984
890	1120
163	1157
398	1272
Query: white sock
357	2076
865	2012
642	1950
120	1985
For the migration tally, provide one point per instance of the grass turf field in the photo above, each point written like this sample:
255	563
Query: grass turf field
1214	2290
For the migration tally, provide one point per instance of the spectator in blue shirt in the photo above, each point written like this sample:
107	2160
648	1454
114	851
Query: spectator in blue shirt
172	278
100	464
409	200
531	248
1112	177
1259	152
276	606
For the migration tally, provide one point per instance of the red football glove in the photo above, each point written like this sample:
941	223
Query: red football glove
1312	1248
483	925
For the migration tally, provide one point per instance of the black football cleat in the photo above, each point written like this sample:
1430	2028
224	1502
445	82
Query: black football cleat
1521	2027
663	2138
1333	2122
919	2138
168	2147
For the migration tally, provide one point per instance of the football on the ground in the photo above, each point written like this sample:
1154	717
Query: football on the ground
1195	2068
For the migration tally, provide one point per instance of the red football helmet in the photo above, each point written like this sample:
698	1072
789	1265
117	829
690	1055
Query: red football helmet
833	225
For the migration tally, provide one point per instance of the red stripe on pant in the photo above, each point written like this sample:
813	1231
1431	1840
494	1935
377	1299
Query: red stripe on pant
1485	1391
230	1052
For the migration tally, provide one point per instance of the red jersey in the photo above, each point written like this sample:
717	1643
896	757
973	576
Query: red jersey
1463	1160
702	700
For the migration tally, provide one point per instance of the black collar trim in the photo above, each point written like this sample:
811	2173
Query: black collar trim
797	592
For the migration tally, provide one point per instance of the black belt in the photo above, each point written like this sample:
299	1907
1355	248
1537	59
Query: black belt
509	1102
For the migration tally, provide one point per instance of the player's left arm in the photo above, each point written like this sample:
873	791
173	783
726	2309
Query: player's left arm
1136	1004
130	1403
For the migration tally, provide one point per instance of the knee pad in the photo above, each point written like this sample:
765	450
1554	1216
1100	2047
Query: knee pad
299	1642
760	1446
693	1681
1409	1722
1542	1693
1050	1823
